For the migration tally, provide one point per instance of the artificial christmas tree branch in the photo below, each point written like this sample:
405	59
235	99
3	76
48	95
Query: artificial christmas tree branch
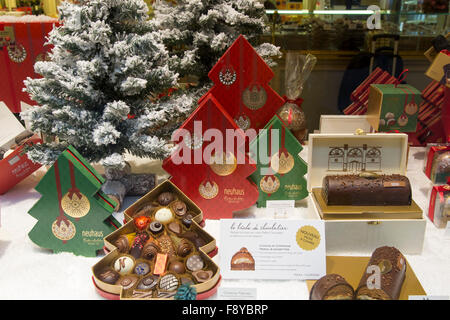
96	91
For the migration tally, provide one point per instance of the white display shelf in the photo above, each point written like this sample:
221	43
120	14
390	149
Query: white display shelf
66	276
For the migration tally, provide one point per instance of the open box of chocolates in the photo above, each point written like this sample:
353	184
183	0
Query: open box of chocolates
160	253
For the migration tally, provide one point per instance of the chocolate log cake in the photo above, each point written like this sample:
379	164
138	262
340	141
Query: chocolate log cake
367	190
242	260
331	287
392	266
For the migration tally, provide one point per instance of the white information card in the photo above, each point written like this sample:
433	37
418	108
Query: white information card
272	249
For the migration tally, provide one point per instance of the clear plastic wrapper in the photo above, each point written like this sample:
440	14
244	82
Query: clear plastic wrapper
298	70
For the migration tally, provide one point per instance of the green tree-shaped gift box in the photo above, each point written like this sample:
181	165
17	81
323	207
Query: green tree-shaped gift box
280	170
73	214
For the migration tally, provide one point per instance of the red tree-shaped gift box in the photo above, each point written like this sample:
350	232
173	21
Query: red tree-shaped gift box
209	167
241	84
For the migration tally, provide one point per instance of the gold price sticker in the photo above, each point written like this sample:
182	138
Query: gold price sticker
308	238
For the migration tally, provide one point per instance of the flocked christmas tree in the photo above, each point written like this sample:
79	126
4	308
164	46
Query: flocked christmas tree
100	91
197	33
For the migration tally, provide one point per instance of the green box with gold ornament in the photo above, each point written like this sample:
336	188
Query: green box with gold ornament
393	107
73	214
280	170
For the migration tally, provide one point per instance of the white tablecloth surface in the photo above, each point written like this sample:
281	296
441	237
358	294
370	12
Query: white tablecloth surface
30	272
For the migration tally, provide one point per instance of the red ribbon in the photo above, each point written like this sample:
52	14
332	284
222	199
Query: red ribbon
440	190
400	78
297	101
74	189
445	51
270	147
270	158
61	217
283	149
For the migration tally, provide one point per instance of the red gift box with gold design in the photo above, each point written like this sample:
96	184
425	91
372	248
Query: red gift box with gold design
217	182
21	45
15	166
241	85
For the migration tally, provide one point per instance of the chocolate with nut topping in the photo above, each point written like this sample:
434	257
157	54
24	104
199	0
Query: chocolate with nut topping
392	266
366	190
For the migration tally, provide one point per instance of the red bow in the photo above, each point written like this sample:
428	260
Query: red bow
297	101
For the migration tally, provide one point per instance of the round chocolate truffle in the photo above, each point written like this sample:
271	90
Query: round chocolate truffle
109	276
177	267
156	227
179	207
195	263
128	281
148	283
165	198
184	248
164	215
168	283
142	268
124	265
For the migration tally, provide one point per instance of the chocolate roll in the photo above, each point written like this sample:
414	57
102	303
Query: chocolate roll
366	190
331	287
392	266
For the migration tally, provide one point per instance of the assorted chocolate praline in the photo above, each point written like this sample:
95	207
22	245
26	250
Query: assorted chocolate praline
128	281
175	227
187	221
109	276
169	282
150	250
122	244
166	198
195	263
157	227
179	207
184	248
142	268
202	275
177	267
148	283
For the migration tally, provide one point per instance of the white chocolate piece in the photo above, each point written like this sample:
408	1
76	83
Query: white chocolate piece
164	215
124	265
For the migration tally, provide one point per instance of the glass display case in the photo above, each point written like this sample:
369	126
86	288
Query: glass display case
334	25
